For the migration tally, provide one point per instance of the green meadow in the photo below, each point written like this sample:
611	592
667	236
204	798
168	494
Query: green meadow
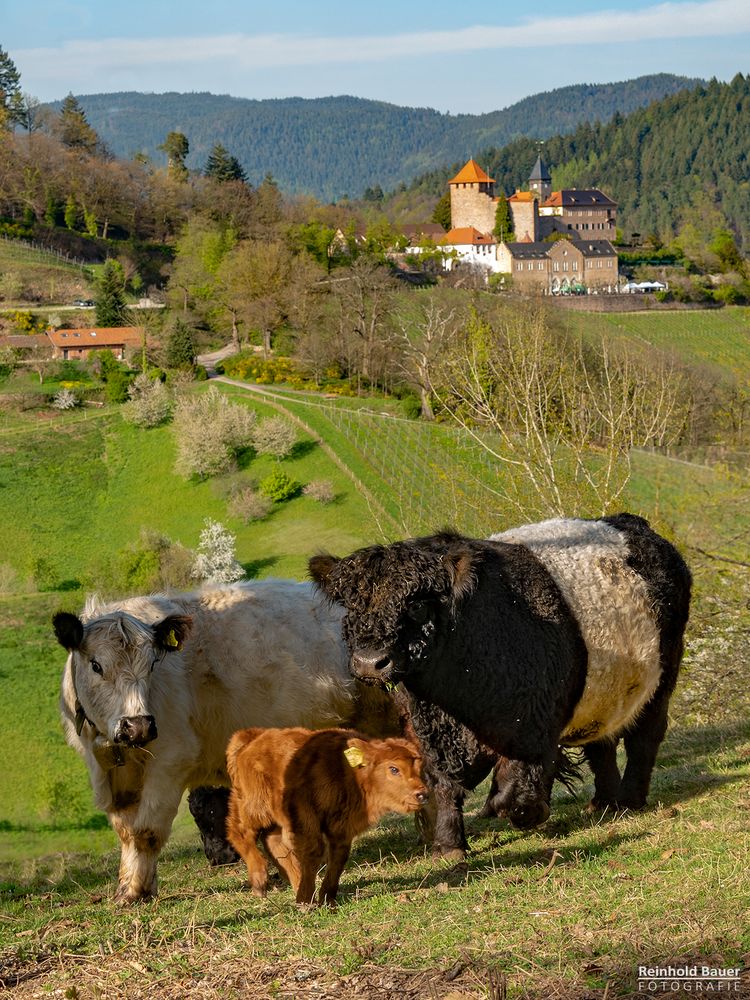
568	910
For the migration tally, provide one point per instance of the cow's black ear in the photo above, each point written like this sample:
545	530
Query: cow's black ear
171	633
68	630
320	568
460	566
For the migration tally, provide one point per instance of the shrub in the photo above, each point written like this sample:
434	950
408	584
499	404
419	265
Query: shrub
279	486
151	564
274	436
249	505
321	490
116	388
211	430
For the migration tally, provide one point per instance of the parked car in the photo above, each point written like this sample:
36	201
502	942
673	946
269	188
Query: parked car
84	303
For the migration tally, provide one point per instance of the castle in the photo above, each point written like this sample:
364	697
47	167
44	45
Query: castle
586	260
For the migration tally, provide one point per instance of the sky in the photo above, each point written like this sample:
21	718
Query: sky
444	54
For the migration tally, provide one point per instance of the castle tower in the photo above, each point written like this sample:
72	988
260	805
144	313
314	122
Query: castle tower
540	180
472	198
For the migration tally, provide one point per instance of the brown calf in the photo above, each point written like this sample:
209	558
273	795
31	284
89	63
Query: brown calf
308	794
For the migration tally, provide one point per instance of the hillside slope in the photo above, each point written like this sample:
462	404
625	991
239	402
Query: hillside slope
334	146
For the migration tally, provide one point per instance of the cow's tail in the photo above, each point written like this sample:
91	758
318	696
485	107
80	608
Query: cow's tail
236	744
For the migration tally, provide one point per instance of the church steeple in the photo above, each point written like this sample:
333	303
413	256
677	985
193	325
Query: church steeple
540	179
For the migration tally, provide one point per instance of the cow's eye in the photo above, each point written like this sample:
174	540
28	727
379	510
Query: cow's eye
419	613
96	667
394	770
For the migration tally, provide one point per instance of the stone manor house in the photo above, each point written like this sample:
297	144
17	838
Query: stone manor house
582	259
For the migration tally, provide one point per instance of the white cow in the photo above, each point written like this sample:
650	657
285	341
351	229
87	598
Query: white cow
154	687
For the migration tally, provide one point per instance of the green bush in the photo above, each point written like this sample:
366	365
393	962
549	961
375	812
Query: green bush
279	486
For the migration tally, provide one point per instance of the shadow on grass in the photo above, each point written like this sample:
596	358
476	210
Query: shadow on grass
254	567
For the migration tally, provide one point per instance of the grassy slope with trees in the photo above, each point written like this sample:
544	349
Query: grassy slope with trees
336	146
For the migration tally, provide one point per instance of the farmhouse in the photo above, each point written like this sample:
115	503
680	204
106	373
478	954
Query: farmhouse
82	343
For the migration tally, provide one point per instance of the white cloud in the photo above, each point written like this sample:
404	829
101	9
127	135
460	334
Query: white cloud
76	64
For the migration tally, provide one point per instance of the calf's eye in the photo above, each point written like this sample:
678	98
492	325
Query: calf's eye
96	667
394	770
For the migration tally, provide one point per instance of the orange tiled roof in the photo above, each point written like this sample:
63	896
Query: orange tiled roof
465	235
100	336
522	196
471	173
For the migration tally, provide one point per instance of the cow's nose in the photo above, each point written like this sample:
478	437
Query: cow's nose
136	730
421	797
370	662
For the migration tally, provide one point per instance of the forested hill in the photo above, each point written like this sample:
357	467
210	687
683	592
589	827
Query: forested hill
682	159
335	146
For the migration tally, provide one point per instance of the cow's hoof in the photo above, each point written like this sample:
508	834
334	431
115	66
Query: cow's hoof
486	812
125	896
452	854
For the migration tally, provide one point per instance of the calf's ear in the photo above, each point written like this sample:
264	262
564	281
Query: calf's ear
171	633
320	568
357	752
68	630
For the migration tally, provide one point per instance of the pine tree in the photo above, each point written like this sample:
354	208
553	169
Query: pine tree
503	220
73	129
11	99
222	166
180	347
110	303
442	213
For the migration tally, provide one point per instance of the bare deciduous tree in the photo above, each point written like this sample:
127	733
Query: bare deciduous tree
422	340
560	416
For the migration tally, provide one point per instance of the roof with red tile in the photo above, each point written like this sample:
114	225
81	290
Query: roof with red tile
99	336
467	235
471	173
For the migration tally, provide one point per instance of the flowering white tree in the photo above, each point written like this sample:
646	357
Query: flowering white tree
150	402
215	560
65	399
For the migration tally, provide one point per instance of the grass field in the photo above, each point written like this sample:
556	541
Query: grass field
567	911
719	338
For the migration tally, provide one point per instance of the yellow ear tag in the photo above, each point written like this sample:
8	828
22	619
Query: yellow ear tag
354	756
171	639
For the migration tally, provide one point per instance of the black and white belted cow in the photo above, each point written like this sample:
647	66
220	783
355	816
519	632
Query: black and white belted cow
567	632
155	686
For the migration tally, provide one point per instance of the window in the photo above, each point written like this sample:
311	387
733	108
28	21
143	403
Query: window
565	265
575	265
540	266
556	265
609	262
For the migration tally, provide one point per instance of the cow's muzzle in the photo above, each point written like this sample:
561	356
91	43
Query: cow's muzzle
135	730
373	665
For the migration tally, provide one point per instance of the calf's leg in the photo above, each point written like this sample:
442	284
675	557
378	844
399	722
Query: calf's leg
244	831
311	852
338	854
278	844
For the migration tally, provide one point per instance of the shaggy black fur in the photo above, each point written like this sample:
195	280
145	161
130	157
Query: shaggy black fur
479	632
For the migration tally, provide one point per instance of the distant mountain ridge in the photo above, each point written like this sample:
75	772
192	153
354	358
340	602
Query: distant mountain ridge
336	146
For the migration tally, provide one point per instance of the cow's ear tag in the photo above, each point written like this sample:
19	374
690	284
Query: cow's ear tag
354	757
172	640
